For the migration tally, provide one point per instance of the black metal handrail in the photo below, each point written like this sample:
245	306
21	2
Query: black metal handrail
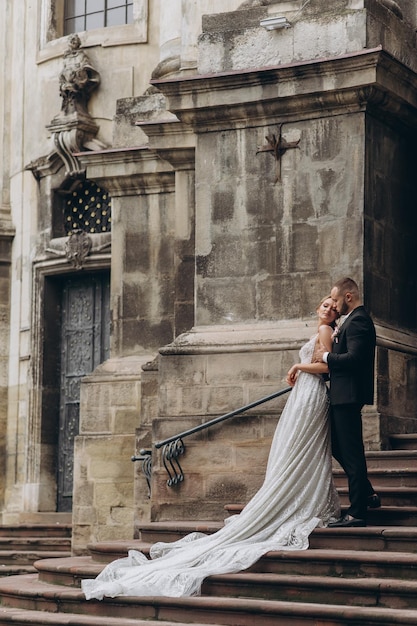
174	446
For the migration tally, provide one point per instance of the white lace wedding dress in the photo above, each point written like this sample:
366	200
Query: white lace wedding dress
297	495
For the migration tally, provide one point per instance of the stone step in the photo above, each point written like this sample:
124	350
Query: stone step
386	539
381	477
172	530
394	538
69	571
392	459
393	516
339	563
21	557
384	516
404	442
22	617
29	594
352	560
368	592
390	496
35	543
14	570
36	530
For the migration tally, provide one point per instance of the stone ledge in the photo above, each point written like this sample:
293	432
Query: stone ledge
263	336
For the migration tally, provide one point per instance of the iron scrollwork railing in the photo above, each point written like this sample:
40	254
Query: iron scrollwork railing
170	453
146	458
174	446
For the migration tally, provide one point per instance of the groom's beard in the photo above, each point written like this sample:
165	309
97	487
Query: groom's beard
344	308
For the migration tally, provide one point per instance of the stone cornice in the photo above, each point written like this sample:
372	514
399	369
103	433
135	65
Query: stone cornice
250	337
335	85
272	336
396	339
129	171
7	230
173	140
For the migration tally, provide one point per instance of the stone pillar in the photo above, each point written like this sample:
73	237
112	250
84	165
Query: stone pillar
6	238
179	30
146	309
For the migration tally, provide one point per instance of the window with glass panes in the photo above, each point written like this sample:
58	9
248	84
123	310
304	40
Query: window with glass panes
83	15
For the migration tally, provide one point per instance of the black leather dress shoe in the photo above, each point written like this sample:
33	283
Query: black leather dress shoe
374	501
347	521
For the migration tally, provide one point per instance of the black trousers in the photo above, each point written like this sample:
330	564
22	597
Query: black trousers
348	450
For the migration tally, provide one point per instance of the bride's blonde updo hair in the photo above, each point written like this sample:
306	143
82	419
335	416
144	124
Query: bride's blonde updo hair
328	297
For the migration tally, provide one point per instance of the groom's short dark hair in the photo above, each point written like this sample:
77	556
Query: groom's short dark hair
345	285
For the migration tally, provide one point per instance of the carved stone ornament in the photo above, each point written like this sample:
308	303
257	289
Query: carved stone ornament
78	248
78	78
277	146
73	129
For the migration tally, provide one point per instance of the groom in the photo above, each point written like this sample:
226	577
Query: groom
351	368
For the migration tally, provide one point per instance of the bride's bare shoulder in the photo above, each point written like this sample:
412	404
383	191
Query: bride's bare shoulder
325	333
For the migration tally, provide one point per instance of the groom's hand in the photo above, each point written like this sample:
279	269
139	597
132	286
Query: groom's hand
318	355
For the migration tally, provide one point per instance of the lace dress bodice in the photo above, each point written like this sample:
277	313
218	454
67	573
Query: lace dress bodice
307	350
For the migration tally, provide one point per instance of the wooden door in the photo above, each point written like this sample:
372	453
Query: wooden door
85	336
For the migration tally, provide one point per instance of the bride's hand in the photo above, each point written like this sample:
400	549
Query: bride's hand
292	375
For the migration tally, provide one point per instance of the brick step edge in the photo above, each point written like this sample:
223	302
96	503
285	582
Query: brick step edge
328	584
47	554
241	610
69	572
383	490
35	541
103	552
36	530
234	509
24	617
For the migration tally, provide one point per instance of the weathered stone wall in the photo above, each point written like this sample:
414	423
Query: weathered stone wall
271	237
103	505
143	444
391	289
236	40
278	243
266	249
390	222
204	374
152	298
5	256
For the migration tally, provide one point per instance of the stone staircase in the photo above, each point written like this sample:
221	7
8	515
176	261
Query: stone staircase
39	536
355	576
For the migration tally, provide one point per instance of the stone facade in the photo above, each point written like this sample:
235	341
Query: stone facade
248	169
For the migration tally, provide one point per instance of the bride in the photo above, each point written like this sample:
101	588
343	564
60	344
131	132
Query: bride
297	496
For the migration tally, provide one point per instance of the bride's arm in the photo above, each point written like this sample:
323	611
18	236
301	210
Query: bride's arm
325	339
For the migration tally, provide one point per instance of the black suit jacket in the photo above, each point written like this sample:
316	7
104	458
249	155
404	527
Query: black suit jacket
351	362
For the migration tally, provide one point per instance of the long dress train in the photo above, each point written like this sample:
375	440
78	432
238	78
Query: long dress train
297	495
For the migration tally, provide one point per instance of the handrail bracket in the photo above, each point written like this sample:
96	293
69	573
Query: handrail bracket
170	453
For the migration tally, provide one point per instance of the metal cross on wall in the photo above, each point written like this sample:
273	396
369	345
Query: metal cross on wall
278	146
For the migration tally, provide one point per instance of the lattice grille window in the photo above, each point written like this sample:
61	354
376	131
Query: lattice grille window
88	208
84	15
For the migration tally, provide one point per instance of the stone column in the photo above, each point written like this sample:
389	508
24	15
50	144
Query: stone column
6	238
143	317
